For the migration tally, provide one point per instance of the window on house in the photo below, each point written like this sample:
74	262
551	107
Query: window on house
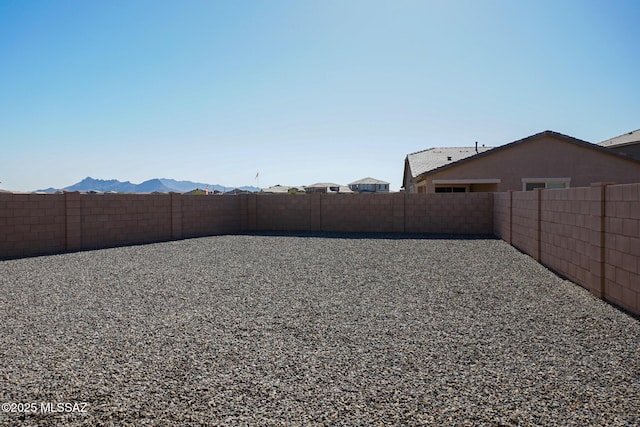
530	184
453	189
557	185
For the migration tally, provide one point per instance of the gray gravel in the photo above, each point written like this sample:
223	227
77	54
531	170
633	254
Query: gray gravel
285	330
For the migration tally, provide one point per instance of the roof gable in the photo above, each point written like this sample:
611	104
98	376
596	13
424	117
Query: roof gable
529	139
434	158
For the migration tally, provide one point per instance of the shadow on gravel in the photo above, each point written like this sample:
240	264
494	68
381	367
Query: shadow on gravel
389	236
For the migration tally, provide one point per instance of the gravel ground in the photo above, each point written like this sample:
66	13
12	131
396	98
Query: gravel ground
299	330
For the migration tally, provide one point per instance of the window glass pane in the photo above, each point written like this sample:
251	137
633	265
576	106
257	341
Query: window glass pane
451	189
556	184
530	186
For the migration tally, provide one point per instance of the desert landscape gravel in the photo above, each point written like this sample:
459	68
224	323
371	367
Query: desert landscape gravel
310	330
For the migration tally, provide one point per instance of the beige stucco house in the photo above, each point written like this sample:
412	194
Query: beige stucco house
544	160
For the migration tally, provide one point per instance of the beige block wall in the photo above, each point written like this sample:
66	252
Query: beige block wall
357	213
570	234
622	246
469	213
210	215
31	224
457	213
590	235
38	224
283	212
502	216
524	227
123	219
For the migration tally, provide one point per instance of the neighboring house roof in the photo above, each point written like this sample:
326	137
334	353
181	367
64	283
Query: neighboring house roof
624	139
322	185
434	158
368	180
489	152
329	185
281	189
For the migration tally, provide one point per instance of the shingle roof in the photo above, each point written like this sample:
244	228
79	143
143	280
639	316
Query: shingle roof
368	180
327	185
281	189
433	158
322	185
624	139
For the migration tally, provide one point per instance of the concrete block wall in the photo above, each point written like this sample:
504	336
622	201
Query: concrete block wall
469	213
524	222
590	235
501	215
285	212
40	224
124	219
31	224
444	213
34	224
206	216
357	213
622	246
570	234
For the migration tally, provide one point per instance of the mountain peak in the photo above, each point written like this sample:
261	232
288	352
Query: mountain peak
154	185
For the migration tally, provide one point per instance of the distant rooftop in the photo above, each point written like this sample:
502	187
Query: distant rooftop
368	180
328	187
624	139
433	158
282	189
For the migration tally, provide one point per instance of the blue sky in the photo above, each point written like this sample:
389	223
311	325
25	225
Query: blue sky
301	91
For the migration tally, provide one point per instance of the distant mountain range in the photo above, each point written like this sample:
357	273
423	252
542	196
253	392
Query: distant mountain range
159	185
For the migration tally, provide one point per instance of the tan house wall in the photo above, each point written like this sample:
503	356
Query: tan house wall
543	157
